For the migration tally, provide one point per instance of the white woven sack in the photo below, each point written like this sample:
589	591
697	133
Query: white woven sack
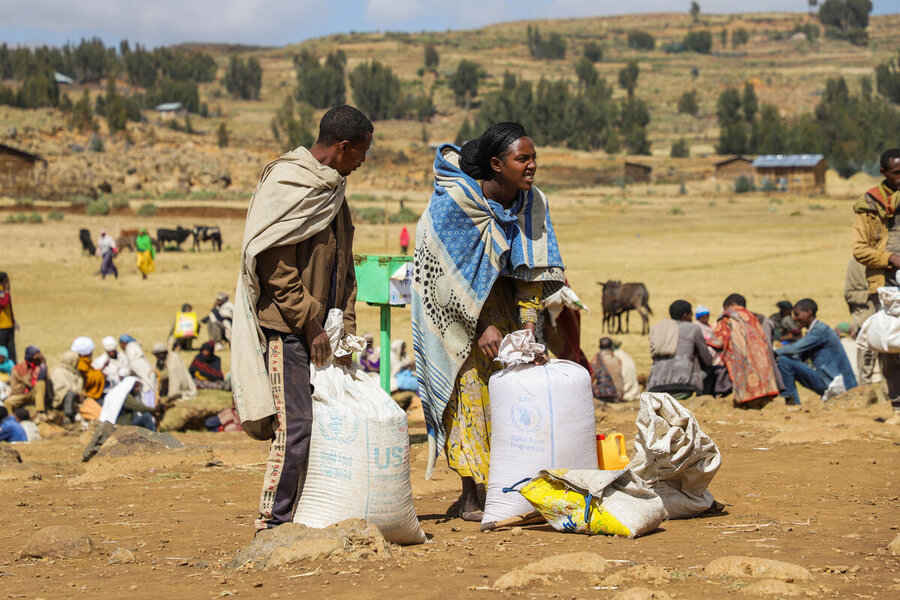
359	454
542	417
881	331
674	456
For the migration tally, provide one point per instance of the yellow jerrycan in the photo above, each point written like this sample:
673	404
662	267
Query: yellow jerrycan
611	452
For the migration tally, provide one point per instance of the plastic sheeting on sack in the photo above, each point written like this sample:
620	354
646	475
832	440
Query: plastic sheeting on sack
674	456
881	331
359	451
595	502
542	417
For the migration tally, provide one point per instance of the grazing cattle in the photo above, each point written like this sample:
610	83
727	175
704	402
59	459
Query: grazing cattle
87	244
621	298
173	235
206	233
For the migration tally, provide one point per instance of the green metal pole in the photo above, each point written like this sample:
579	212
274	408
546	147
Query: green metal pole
385	362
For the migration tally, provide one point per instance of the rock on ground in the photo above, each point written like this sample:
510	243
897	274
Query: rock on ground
654	575
352	539
58	541
587	563
757	568
9	456
894	546
121	556
127	441
640	593
773	587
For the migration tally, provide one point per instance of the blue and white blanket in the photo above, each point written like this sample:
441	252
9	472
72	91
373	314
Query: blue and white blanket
463	243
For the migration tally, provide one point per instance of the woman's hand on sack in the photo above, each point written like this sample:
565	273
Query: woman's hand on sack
343	360
541	359
318	342
489	342
894	260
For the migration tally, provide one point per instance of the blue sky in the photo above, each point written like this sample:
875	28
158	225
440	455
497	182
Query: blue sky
279	22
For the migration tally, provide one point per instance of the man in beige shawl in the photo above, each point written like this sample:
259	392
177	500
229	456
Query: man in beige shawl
296	264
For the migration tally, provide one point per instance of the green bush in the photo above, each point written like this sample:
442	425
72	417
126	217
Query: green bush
371	214
680	149
120	203
35	218
98	207
676	211
404	215
147	209
24	201
743	184
56	216
641	40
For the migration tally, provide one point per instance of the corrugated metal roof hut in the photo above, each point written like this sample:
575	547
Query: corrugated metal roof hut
170	110
17	170
734	167
637	172
800	173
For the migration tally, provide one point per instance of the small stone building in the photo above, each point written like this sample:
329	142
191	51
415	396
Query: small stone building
637	172
732	168
798	173
19	170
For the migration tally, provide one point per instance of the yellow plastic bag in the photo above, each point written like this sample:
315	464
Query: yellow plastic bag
594	502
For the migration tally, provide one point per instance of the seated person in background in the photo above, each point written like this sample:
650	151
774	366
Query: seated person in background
821	347
67	385
679	354
206	369
606	361
10	429
370	358
403	368
786	330
111	359
185	329
175	382
717	383
631	387
218	321
93	380
747	354
28	382
27	424
6	365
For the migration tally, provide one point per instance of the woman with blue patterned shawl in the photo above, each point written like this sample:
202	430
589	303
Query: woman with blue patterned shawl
485	256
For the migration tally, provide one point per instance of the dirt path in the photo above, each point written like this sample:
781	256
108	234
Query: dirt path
815	486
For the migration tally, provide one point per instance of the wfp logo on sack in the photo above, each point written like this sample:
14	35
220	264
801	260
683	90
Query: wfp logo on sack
386	458
338	427
525	415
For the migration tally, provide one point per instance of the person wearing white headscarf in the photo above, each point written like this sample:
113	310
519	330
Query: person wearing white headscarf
111	362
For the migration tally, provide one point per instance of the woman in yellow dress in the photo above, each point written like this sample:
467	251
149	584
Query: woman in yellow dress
145	253
485	256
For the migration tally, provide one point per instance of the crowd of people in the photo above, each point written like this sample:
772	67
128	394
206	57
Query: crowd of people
119	384
486	258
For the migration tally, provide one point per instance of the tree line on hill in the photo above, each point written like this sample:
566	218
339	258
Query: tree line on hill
851	130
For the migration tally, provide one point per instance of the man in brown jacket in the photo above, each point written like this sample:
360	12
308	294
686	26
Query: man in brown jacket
876	244
298	284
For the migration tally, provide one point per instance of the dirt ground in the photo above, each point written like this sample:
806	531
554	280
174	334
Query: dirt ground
815	486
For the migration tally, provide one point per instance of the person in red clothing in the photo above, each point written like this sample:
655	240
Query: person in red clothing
7	318
404	241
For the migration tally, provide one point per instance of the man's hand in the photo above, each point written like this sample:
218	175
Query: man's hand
489	342
894	260
317	340
343	360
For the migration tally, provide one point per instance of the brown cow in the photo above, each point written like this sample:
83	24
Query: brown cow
621	298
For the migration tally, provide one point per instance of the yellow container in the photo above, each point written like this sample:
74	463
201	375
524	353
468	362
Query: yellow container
611	452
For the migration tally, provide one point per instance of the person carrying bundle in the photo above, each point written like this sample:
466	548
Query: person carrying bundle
485	256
